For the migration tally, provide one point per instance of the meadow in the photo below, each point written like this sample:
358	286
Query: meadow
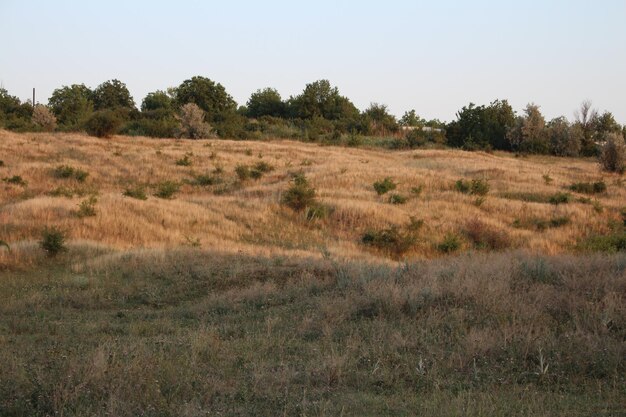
421	282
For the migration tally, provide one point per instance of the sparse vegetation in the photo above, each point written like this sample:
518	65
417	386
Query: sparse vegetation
450	243
15	180
166	189
384	186
484	236
596	187
185	161
137	192
87	208
478	187
68	172
397	199
53	241
300	194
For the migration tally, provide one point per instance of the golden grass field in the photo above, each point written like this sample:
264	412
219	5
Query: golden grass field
247	217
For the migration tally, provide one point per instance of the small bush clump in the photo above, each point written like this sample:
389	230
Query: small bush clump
300	195
53	241
87	208
205	180
137	192
588	187
475	187
612	156
391	240
166	189
243	172
184	161
560	198
192	124
103	124
612	242
450	243
384	186
16	180
68	172
397	199
484	236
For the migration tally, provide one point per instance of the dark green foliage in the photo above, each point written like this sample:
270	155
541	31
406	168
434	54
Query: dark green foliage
205	180
612	242
560	198
397	199
137	192
542	224
379	121
87	208
16	180
392	240
475	187
112	95
166	189
69	172
450	243
300	194
53	241
266	102
209	96
589	187
482	127
320	100
263	166
243	172
384	186
72	105
158	100
15	115
103	123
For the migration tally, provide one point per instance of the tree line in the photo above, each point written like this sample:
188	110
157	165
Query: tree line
200	107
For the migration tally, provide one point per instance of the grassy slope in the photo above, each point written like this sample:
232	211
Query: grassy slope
274	315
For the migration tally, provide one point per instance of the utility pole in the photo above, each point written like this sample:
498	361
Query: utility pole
33	97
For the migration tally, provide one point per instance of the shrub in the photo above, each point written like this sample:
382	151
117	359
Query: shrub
542	224
462	186
16	180
263	166
484	236
391	240
243	172
166	189
192	124
588	187
397	199
622	213
103	123
184	161
204	180
384	186
66	172
87	208
53	241
613	242
417	190
138	192
317	211
613	154
560	198
475	187
44	118
450	243
300	195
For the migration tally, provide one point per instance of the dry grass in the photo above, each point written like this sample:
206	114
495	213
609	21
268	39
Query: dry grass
237	216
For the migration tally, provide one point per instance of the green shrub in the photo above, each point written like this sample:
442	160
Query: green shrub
87	208
612	156
450	243
397	199
16	180
588	187
384	186
462	186
243	172
612	242
300	194
103	123
184	161
204	180
68	172
53	241
263	166
138	192
391	240
542	224
475	187
560	198
317	211
622	213
417	190
166	189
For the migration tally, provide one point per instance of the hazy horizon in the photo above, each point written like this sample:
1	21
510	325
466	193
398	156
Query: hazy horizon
434	58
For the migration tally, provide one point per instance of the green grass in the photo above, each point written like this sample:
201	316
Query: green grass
197	333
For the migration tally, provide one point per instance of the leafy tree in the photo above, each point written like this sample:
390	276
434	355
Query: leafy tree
71	105
604	125
211	97
43	118
564	139
158	100
529	132
586	118
612	155
410	118
380	121
320	99
192	122
112	95
266	102
104	123
14	115
482	127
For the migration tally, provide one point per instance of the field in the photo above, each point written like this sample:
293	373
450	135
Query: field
438	297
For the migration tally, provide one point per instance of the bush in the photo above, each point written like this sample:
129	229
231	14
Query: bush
384	186
103	123
204	180
192	124
300	195
588	187
184	161
53	241
166	189
87	208
560	198
542	224
67	172
484	236
243	172
391	240
16	180
317	211
262	166
475	187
43	118
138	192
613	154
397	199
613	242
450	243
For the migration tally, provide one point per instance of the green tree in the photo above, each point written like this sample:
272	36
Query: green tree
564	138
482	127
380	121
158	100
266	102
410	118
529	132
72	105
586	118
320	99
112	95
211	97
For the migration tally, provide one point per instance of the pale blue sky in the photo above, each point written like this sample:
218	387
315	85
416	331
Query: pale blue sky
433	56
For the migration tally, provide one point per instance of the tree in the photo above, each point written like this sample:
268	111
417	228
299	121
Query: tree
586	118
612	155
112	95
564	139
211	97
528	134
380	121
158	100
14	115
192	122
482	127
604	125
266	102
43	118
71	105
410	118
320	99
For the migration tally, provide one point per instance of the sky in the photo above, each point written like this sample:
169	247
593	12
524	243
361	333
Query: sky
431	56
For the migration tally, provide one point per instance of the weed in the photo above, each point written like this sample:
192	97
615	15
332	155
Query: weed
391	240
167	189
475	187
416	191
560	198
184	161
384	186
204	180
484	236
243	172
612	242
547	179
